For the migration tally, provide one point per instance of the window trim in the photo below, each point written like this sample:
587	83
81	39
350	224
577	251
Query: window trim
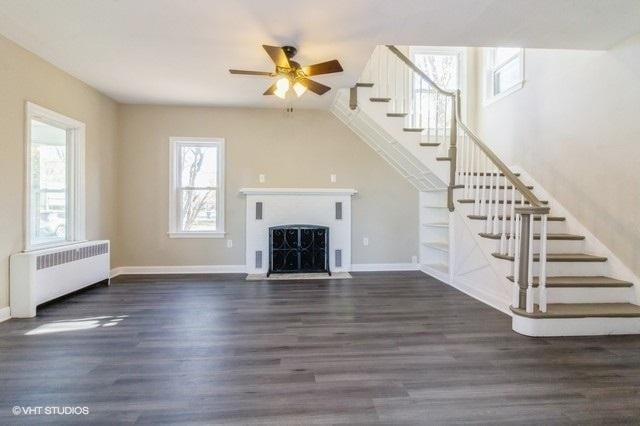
174	231
76	191
490	70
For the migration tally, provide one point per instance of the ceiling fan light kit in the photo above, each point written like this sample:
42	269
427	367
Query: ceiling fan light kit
292	74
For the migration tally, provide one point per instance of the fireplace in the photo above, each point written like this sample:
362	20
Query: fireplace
298	248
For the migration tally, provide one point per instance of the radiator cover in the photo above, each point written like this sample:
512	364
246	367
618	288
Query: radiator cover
39	276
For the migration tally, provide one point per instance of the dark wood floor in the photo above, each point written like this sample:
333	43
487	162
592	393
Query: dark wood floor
392	348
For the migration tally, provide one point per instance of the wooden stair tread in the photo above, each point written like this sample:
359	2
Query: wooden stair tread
461	186
471	201
559	257
579	282
397	114
379	99
412	129
364	84
535	218
583	310
550	236
430	144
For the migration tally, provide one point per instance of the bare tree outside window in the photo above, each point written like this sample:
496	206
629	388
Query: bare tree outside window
198	188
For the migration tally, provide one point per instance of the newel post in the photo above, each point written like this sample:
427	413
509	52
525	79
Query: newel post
524	256
453	149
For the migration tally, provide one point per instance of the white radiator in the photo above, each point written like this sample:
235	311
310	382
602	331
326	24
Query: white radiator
39	276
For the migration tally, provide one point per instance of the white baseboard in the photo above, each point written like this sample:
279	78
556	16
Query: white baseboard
188	269
232	269
5	314
379	267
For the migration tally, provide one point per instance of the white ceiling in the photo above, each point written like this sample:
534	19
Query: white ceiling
178	51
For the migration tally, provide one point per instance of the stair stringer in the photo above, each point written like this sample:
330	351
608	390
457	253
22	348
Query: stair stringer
385	145
394	127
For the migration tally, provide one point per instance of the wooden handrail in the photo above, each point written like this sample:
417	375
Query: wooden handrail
515	181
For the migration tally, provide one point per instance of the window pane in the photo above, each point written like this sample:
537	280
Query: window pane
502	54
507	77
199	166
441	68
48	183
198	210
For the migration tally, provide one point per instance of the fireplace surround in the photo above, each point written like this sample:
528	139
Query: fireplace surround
298	248
268	208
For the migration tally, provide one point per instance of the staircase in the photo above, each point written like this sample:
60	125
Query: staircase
483	227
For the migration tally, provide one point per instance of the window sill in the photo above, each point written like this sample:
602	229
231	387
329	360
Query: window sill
504	94
217	234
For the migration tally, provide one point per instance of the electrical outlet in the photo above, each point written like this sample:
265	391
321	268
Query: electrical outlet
365	241
262	178
414	259
229	243
333	178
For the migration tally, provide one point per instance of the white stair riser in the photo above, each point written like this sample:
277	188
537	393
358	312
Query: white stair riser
553	246
590	295
575	326
579	269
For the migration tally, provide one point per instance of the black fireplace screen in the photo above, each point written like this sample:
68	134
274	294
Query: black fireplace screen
298	248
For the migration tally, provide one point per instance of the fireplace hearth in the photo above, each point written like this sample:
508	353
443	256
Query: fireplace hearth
298	248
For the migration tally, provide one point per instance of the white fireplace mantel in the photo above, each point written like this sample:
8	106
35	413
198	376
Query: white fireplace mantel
298	191
268	207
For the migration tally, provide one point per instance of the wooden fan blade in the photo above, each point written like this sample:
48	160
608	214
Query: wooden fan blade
271	90
322	68
314	86
277	55
245	72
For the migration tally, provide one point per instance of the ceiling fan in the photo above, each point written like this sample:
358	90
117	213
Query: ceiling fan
292	74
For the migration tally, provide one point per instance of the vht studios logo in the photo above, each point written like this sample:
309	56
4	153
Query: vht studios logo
49	411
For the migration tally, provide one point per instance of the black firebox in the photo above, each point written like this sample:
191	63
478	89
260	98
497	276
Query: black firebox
298	248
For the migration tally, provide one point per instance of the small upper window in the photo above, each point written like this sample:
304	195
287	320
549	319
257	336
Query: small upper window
197	188
504	68
55	198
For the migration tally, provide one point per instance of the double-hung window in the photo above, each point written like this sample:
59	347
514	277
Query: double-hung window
504	71
197	188
54	148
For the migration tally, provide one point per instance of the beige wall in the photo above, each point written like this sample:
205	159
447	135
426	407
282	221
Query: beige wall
575	127
26	77
293	150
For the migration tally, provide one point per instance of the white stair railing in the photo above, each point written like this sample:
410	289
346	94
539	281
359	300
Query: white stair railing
508	208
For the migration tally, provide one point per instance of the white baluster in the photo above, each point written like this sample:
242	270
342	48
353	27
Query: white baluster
542	279
516	261
530	268
477	177
512	219
496	210
467	176
483	196
490	201
503	236
428	116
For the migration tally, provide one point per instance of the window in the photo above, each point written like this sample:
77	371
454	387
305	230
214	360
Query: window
55	178
197	188
445	66
504	71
